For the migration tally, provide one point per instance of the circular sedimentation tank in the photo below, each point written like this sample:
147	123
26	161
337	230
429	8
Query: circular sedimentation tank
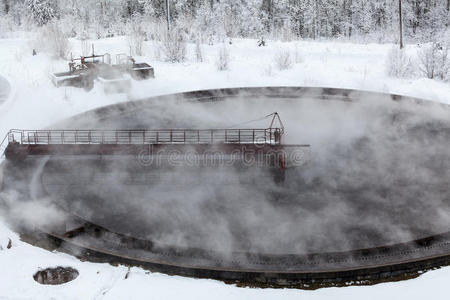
369	203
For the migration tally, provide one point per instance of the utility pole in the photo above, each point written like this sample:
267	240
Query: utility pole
400	22
168	14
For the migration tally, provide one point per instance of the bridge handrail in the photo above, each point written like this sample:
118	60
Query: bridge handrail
4	144
271	136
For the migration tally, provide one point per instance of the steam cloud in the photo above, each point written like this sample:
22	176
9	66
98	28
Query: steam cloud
378	174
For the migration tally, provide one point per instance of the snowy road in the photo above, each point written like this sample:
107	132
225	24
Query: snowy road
5	88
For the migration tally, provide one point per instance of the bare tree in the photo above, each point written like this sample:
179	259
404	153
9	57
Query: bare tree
174	45
398	64
435	61
50	38
223	58
283	59
198	49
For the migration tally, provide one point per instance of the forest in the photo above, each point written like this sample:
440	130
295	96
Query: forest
210	20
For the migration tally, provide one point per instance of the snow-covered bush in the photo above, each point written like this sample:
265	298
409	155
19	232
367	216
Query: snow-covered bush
85	47
174	45
268	70
198	50
398	64
18	56
135	36
156	51
298	57
154	29
283	59
57	42
223	58
50	38
71	25
434	61
136	42
287	34
6	25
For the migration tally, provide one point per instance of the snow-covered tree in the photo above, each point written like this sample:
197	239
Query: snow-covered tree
398	63
174	45
136	35
42	11
216	19
435	61
223	58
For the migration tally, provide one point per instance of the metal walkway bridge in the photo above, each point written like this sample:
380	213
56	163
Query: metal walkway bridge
270	136
19	144
264	143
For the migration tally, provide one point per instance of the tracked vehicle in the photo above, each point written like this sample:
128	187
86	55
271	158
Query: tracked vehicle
114	77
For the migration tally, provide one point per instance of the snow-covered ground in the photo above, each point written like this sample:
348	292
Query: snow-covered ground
343	65
34	103
5	88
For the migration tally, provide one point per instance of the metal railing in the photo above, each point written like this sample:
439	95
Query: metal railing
271	136
3	145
